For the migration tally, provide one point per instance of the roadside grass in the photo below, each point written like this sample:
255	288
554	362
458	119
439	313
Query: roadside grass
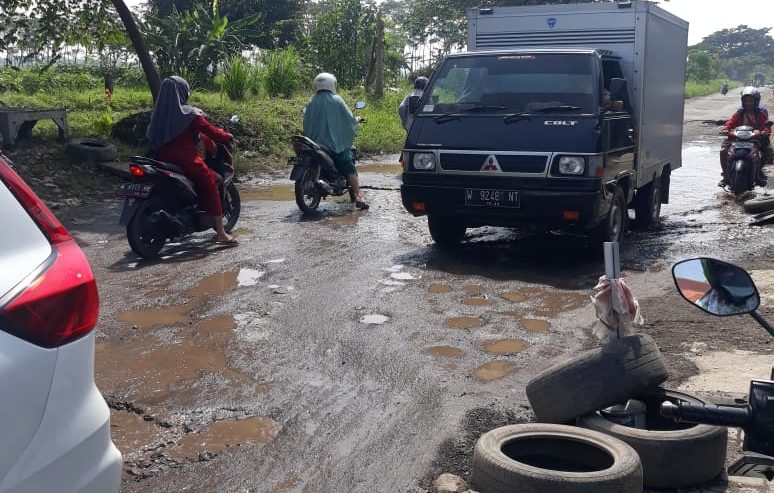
695	89
265	128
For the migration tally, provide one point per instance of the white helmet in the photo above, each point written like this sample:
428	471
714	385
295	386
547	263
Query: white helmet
325	82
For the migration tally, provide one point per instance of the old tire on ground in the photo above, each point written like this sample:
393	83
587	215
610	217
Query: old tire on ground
92	149
446	232
544	458
760	204
673	455
597	379
647	205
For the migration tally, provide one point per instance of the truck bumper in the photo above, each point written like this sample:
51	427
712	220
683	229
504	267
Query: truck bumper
580	206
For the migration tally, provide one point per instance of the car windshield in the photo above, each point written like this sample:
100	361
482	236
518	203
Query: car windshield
512	83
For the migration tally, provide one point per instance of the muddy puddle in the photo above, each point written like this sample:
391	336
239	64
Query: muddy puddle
476	301
382	169
463	322
493	370
533	325
448	352
268	193
547	303
148	371
131	433
439	289
473	289
223	435
505	346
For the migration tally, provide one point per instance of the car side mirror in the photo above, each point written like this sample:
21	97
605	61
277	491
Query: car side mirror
619	91
360	105
413	104
717	287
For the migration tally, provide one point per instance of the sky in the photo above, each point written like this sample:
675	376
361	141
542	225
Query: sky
705	16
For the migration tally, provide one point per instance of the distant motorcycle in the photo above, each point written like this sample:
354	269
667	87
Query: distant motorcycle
740	170
315	174
724	91
162	203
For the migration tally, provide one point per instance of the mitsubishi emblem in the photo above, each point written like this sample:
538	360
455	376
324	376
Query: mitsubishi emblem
491	164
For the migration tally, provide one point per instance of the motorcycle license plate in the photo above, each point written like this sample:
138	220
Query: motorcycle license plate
744	145
136	190
487	197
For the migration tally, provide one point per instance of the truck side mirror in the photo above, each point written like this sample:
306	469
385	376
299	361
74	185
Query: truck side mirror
619	91
413	104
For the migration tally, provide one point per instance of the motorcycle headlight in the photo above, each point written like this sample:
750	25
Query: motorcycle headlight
744	134
424	161
572	165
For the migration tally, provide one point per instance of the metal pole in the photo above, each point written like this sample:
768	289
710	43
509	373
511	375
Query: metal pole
612	260
612	267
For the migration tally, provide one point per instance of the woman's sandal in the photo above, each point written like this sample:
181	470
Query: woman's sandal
231	242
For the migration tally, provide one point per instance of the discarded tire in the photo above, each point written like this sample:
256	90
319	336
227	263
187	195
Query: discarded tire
597	379
761	204
673	455
92	150
544	458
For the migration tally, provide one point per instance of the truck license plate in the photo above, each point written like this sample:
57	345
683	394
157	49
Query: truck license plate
477	197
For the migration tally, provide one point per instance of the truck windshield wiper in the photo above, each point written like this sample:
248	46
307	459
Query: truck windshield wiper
545	109
473	109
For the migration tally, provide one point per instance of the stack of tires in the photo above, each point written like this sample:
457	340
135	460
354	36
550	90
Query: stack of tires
598	454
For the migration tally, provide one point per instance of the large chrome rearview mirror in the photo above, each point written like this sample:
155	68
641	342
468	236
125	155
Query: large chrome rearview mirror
717	287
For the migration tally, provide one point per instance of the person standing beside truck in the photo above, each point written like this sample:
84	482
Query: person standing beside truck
405	109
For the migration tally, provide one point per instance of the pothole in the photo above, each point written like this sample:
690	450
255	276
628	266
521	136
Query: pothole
533	325
476	301
443	352
439	289
463	322
223	435
505	346
493	370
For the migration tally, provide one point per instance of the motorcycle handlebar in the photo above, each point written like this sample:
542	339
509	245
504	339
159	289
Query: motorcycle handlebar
710	414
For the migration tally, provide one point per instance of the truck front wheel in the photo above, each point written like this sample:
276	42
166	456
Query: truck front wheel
446	232
613	226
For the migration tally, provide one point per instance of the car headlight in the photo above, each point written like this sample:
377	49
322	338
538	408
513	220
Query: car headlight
424	161
572	165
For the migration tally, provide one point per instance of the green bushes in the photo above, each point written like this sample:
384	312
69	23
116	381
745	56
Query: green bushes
281	72
236	78
695	89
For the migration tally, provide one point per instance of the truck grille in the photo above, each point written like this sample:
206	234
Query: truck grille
554	38
509	163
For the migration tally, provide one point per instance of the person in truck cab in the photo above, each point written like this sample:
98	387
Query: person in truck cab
609	105
750	115
329	122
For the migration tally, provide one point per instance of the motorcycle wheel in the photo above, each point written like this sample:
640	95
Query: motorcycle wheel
144	239
232	206
307	195
742	182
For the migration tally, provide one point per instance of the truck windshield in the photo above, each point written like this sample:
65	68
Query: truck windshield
512	83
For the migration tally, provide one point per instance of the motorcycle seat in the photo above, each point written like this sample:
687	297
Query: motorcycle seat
321	152
158	164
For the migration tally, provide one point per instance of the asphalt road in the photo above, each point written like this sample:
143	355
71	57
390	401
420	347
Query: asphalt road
347	353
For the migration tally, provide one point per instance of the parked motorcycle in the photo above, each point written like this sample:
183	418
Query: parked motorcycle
315	174
740	171
162	203
724	289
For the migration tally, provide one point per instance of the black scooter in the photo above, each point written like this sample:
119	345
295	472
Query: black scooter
162	203
315	174
723	290
740	171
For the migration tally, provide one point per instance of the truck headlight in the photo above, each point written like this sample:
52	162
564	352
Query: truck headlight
572	165
424	161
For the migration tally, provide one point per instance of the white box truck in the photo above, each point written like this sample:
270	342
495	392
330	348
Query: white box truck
556	116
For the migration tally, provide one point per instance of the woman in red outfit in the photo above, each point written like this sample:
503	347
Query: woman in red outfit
174	134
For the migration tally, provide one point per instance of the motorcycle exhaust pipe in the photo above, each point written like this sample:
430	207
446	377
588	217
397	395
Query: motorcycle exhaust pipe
166	220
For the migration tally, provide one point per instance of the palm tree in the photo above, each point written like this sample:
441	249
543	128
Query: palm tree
140	47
